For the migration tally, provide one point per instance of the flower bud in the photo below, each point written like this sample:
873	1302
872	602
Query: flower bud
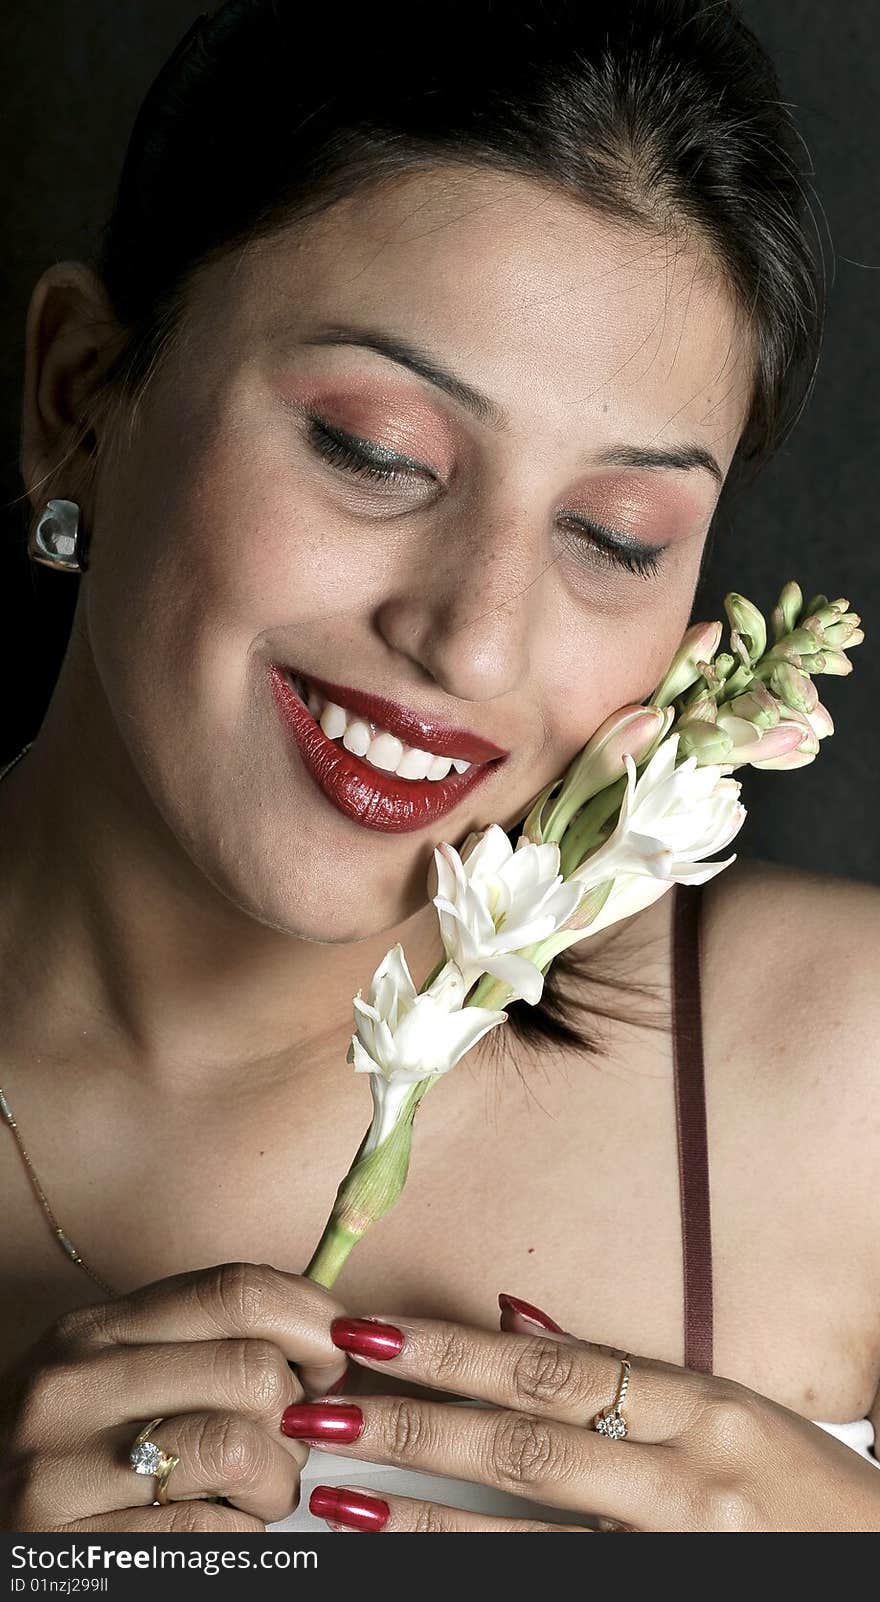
841	604
750	747
747	624
835	662
699	644
817	604
820	721
756	705
705	741
787	763
791	599
703	707
841	632
634	729
794	688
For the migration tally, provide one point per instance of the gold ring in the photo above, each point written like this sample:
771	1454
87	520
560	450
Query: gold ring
611	1421
146	1457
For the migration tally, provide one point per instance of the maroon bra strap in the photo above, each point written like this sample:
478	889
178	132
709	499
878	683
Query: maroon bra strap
690	1117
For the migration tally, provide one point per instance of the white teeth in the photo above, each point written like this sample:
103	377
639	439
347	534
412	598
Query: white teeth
414	764
357	738
379	747
333	719
385	752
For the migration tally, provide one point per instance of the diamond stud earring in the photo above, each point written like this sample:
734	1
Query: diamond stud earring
58	540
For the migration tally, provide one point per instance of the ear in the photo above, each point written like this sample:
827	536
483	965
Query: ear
71	335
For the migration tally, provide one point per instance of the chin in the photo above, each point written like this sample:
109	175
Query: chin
309	899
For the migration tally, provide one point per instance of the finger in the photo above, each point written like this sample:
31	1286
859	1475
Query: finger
540	1459
132	1384
221	1454
554	1376
229	1299
177	1518
350	1507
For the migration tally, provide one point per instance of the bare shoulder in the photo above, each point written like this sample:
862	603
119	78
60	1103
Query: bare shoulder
807	948
790	961
791	971
800	951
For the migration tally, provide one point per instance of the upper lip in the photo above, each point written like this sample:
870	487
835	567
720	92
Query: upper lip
426	734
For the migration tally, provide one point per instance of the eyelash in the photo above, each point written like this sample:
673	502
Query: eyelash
335	450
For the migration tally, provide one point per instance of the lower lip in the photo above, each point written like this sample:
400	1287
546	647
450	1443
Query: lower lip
373	799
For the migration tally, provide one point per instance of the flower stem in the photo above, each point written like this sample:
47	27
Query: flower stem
584	832
331	1254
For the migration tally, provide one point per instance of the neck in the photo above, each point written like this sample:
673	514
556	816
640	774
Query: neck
113	944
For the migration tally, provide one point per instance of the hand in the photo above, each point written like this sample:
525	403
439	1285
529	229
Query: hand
209	1352
701	1453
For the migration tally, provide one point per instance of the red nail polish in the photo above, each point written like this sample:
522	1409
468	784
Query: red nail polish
366	1337
323	1421
352	1508
526	1310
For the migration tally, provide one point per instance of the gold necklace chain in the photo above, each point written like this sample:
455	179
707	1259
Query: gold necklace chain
60	1234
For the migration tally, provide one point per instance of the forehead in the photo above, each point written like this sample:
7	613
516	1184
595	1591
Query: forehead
555	311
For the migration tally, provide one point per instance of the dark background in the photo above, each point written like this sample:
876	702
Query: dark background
71	80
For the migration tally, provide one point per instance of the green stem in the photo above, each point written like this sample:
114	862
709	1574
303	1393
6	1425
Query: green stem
584	831
330	1255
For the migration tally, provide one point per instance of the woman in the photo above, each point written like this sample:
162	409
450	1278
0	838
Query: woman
414	376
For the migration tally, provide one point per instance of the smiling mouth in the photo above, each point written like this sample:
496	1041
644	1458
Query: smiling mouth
376	745
372	796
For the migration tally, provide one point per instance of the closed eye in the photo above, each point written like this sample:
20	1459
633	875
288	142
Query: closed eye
360	457
379	465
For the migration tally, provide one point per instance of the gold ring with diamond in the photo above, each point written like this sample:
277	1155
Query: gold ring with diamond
146	1457
611	1421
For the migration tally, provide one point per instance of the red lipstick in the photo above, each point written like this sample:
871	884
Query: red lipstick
368	796
412	730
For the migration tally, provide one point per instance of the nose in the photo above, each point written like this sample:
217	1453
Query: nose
470	610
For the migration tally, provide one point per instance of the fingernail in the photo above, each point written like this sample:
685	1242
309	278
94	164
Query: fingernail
366	1337
526	1310
319	1421
341	1383
352	1508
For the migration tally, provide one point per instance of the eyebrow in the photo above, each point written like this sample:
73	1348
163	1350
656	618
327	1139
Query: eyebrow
406	354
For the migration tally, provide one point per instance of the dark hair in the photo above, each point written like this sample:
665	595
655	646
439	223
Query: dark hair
665	114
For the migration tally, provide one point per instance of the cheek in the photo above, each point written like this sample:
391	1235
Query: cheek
606	659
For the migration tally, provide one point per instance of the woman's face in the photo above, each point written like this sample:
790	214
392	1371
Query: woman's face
232	532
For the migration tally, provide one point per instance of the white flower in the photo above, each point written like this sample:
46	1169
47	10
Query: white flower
403	1036
670	818
497	901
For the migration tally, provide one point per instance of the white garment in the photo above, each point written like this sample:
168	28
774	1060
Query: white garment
328	1468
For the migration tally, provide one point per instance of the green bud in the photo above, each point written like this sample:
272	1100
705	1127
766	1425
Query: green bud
817	604
757	706
791	599
705	741
747	625
777	623
703	707
724	664
699	644
840	633
794	688
835	662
